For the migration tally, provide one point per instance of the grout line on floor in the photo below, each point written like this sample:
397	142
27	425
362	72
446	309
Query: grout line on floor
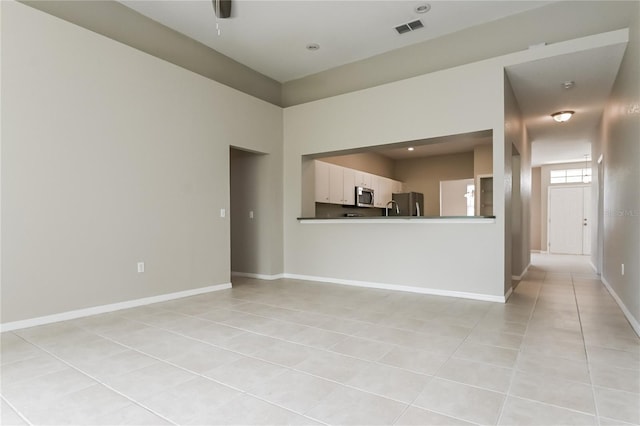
98	381
304	345
586	355
515	365
18	412
305	372
239	389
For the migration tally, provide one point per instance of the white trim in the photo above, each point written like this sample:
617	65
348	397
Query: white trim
398	220
508	294
395	287
634	322
257	276
519	277
593	266
79	313
600	158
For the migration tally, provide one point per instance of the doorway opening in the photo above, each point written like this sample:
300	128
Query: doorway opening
246	194
519	256
457	197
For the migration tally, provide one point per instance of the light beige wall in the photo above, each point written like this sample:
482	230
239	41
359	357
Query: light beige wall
517	158
378	116
424	175
545	182
536	214
369	162
618	144
109	157
564	20
118	22
482	160
362	119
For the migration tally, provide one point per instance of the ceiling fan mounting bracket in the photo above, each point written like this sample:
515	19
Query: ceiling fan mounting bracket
222	8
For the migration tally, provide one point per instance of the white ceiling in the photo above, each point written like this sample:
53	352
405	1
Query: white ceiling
271	36
539	91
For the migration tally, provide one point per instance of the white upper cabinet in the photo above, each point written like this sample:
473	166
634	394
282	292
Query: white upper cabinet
364	179
322	182
349	186
382	189
336	185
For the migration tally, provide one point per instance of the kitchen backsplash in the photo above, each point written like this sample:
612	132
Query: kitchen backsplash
324	210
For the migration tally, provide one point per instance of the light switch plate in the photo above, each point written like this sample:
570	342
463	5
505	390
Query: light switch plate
223	212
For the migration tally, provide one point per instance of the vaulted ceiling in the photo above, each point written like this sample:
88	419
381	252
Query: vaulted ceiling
271	36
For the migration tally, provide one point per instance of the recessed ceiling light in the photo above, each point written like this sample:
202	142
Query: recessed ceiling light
410	148
562	116
313	46
568	84
422	8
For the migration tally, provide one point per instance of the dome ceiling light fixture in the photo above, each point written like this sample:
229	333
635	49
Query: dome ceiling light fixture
562	116
569	84
422	8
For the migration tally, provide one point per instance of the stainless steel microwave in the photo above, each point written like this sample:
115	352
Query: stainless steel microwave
364	197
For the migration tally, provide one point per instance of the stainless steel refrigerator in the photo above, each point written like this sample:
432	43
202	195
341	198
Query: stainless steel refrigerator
409	204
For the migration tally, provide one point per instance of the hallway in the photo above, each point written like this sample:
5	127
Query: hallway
577	334
290	352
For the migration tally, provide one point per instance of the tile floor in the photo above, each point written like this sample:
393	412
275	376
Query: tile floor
286	352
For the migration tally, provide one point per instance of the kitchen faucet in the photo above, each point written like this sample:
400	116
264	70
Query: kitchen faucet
392	202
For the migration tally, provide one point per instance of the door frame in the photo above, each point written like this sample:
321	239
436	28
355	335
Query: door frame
599	248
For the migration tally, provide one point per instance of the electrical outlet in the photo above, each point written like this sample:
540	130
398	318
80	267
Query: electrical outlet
622	268
251	214
223	212
140	267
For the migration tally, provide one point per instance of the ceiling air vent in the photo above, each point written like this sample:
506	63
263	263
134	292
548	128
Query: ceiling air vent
411	26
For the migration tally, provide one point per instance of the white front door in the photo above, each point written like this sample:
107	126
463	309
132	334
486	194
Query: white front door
568	212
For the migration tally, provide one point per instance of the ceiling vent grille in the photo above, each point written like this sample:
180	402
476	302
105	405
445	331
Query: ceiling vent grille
411	26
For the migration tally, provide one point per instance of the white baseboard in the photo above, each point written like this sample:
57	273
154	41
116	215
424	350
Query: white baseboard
634	322
593	267
257	276
508	294
79	313
519	277
395	287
